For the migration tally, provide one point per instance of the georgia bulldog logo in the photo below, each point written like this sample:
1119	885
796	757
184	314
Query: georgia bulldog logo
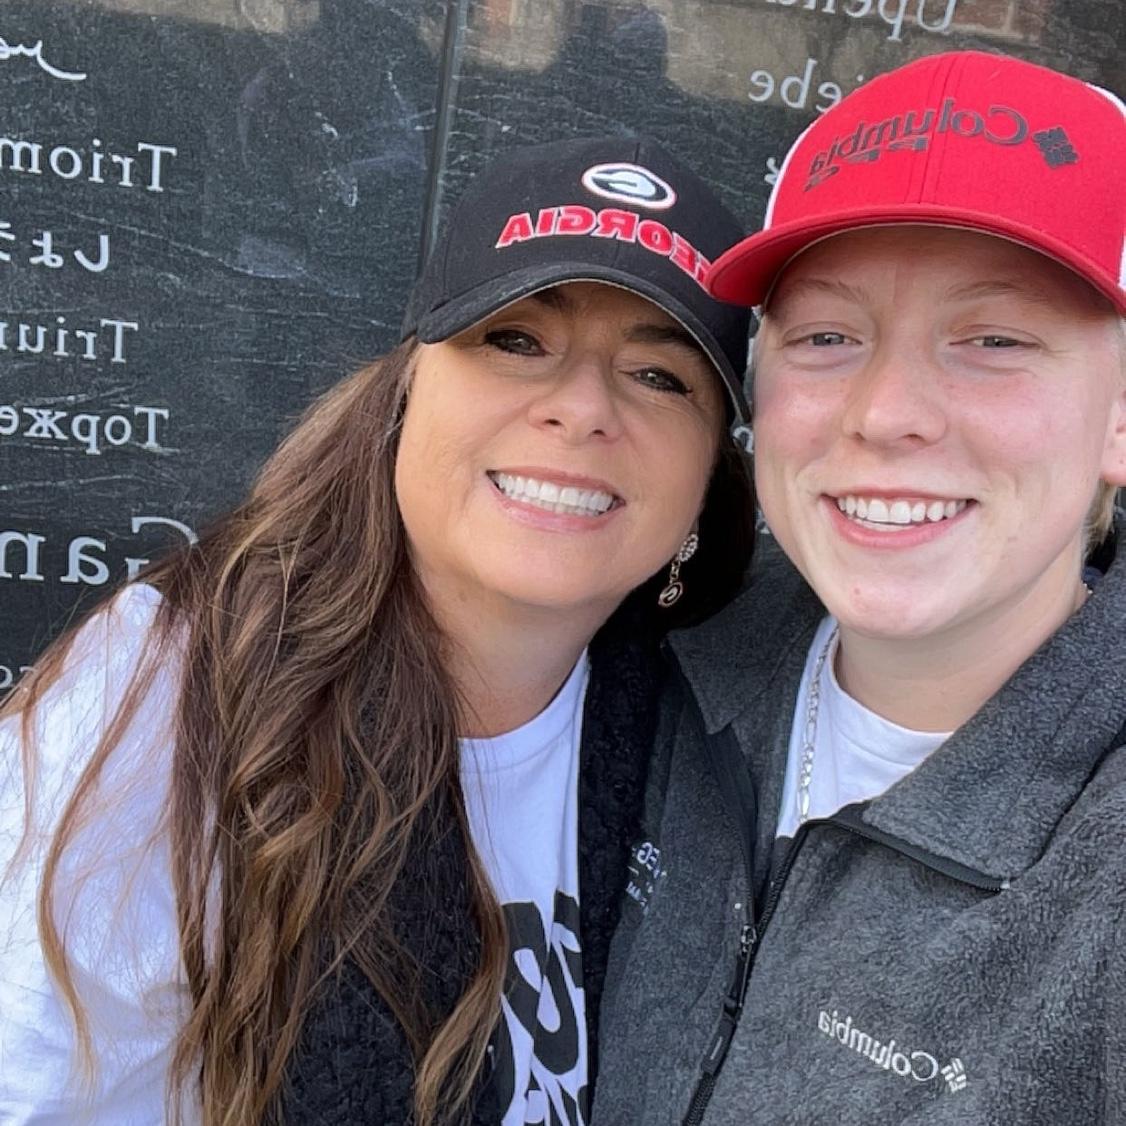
629	183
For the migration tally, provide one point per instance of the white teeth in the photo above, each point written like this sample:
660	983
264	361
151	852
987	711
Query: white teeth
899	513
877	512
566	500
884	515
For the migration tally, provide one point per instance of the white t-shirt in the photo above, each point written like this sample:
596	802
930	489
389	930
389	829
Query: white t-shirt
116	903
521	794
114	894
857	755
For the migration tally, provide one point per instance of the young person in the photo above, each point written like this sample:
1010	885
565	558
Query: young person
298	819
887	810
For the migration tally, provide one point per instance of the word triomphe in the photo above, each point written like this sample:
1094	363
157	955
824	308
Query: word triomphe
95	165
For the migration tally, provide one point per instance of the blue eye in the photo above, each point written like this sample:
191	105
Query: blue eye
825	339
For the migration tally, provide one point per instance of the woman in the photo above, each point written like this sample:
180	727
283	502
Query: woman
289	801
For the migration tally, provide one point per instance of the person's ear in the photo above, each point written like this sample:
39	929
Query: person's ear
1114	452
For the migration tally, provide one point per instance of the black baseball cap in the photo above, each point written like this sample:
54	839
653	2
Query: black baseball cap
617	210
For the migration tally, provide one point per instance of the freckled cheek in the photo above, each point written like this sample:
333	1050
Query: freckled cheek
1040	456
1025	434
793	424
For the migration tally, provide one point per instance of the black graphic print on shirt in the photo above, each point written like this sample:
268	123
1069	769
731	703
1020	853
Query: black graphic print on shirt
542	1010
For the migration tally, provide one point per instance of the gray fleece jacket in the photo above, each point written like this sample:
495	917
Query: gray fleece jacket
952	953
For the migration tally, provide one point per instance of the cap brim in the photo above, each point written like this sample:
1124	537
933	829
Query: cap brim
745	274
474	305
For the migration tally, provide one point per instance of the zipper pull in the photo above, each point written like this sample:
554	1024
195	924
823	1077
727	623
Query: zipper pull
748	938
733	1004
721	1041
725	1029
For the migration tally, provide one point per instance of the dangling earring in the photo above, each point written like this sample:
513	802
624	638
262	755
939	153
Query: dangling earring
675	588
744	436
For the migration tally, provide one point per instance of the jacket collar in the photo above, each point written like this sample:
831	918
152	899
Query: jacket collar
992	796
734	659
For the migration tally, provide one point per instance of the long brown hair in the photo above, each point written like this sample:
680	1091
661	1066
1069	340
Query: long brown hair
315	727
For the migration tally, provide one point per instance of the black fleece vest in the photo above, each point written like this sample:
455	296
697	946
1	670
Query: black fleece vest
353	1065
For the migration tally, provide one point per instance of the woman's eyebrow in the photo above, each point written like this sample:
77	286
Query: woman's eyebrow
645	333
554	298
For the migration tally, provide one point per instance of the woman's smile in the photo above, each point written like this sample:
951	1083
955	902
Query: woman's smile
557	454
560	494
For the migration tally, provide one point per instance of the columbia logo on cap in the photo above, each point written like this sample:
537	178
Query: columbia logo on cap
1056	146
961	139
914	130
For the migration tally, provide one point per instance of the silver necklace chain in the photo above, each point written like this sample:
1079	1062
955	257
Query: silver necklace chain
809	734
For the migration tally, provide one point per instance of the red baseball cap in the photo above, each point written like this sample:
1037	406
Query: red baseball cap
962	139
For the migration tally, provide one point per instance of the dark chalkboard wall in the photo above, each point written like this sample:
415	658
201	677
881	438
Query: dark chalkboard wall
210	210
